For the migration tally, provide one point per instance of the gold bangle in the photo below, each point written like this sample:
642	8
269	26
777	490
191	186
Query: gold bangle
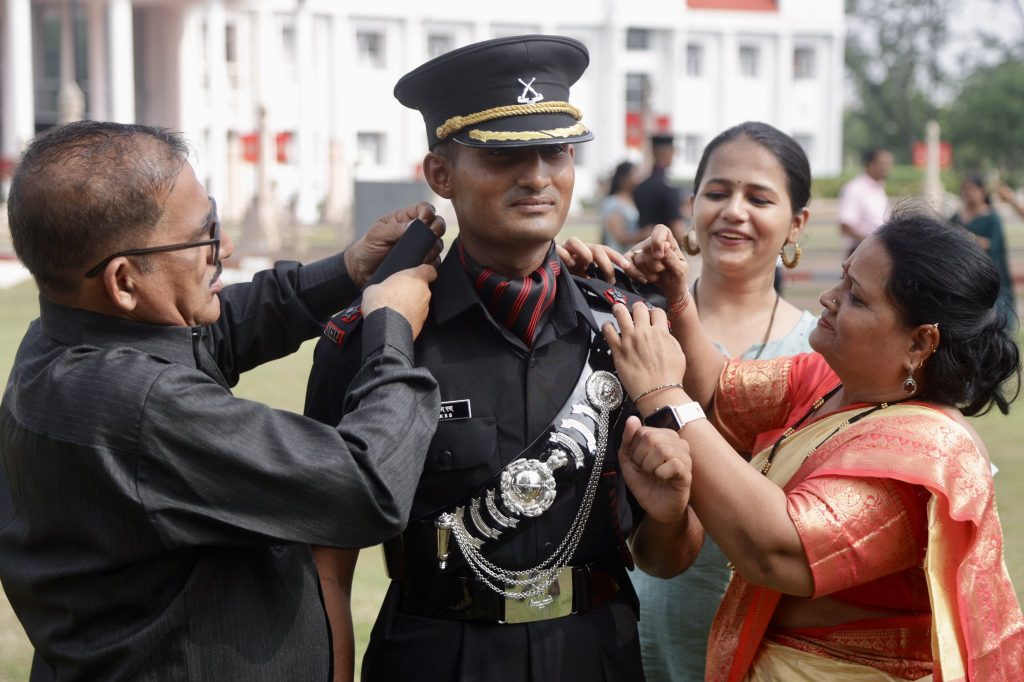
652	390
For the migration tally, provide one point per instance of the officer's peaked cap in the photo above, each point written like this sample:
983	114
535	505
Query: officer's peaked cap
506	92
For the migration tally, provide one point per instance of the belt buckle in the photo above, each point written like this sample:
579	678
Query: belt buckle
554	602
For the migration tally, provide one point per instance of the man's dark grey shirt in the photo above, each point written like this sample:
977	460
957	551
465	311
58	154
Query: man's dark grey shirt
155	527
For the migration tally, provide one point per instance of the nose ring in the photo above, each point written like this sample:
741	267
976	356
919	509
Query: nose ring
834	301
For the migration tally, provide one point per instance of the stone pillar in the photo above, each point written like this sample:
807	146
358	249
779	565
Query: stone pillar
122	61
97	36
338	205
17	100
70	98
216	64
932	183
304	144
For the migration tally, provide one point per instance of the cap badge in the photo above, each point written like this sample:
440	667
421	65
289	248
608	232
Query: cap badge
528	87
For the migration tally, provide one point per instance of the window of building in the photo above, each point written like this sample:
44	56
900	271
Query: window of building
750	61
803	62
694	60
806	142
370	49
231	44
638	39
693	145
371	148
439	43
638	91
289	46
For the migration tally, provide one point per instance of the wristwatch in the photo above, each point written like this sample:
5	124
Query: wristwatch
675	417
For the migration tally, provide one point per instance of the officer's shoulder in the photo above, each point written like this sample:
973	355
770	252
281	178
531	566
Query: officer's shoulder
340	328
602	295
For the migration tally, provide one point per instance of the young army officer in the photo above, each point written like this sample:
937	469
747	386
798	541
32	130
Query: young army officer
513	566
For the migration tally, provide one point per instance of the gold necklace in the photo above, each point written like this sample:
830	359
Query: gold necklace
771	320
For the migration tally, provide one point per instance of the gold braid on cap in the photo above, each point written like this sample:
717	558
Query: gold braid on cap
457	123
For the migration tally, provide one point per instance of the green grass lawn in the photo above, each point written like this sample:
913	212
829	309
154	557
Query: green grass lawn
282	384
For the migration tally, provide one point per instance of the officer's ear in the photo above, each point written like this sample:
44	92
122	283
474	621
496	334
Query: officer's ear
437	170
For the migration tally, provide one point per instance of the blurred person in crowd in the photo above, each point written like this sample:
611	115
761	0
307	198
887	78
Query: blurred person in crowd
620	220
152	525
1011	199
980	219
863	204
658	201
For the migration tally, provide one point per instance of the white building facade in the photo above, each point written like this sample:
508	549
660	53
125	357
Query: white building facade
311	80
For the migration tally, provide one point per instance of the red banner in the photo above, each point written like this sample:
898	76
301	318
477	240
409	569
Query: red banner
250	147
919	155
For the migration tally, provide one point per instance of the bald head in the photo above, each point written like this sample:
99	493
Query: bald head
85	190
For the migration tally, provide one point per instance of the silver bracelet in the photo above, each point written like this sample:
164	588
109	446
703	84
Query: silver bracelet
656	388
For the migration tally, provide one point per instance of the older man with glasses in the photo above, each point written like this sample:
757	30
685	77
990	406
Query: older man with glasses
152	525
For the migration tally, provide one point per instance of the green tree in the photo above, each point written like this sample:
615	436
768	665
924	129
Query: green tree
892	51
985	122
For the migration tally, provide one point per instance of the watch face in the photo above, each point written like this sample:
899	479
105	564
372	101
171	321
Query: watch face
665	418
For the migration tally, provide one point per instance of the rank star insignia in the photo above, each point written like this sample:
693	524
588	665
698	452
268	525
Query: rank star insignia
614	296
527	88
350	314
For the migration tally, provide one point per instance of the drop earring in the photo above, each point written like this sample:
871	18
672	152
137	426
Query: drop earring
910	385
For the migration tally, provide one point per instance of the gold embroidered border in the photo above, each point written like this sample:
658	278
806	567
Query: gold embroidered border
502	135
457	123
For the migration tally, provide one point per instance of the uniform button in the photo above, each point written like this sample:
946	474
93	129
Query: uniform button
533	362
447	456
549	547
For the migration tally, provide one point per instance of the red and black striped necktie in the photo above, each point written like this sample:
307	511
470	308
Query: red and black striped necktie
522	305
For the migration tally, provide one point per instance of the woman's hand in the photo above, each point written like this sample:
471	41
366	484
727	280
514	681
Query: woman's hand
646	355
660	262
578	256
655	465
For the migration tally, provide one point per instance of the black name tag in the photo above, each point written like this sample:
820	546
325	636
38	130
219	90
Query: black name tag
454	409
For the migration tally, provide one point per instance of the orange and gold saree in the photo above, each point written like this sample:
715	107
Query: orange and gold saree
896	511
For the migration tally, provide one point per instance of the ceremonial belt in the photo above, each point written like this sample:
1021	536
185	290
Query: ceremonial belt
577	590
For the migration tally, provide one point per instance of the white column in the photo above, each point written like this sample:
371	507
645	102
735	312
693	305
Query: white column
728	75
70	98
122	62
190	111
338	206
306	209
217	143
97	39
780	90
17	106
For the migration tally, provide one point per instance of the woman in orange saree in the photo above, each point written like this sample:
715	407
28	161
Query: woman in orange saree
865	537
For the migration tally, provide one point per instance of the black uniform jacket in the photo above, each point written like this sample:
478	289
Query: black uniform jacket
513	393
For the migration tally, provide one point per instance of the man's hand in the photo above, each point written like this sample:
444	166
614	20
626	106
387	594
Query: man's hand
655	465
407	292
363	257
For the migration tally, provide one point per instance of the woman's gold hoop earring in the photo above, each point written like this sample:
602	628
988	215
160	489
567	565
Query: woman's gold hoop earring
791	262
691	247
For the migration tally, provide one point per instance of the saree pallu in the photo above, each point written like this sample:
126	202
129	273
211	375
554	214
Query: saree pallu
976	628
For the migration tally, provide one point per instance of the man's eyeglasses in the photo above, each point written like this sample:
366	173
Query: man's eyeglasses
213	241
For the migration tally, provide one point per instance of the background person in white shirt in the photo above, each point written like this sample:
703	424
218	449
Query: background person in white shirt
863	205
